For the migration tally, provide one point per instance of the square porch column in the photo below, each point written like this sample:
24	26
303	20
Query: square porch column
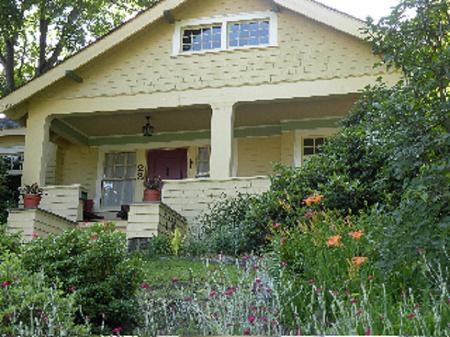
36	150
222	140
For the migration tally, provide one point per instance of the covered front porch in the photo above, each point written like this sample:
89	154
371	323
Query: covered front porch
108	155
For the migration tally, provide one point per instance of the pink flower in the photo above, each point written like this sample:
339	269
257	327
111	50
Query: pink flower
258	280
5	284
175	280
247	331
251	318
411	316
94	237
368	332
276	226
230	291
318	290
353	301
283	264
35	235
117	331
145	285
263	318
212	294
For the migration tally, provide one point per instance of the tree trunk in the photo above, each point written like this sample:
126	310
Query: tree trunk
9	66
42	62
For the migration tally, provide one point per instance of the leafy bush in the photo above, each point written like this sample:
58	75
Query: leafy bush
94	264
159	246
9	242
229	227
30	307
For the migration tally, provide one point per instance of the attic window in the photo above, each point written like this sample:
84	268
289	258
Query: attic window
202	38
229	32
248	33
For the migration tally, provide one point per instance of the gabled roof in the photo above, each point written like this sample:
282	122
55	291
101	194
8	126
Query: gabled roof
13	104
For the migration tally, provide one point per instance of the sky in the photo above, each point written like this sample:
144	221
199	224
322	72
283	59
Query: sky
362	8
359	8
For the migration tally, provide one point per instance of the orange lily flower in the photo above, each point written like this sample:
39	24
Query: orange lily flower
334	241
359	260
356	234
313	200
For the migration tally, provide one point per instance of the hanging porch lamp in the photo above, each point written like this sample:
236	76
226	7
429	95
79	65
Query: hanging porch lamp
148	128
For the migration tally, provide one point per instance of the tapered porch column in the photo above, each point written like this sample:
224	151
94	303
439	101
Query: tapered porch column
222	140
36	145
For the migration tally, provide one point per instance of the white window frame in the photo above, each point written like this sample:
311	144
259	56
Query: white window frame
225	20
104	178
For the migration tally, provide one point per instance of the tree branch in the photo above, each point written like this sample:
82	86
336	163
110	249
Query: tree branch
51	61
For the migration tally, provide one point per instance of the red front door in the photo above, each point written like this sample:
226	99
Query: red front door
170	164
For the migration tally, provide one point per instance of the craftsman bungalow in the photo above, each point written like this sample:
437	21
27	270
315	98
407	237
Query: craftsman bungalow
230	87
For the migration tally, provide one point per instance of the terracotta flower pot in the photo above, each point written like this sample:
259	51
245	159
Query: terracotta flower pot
31	200
152	195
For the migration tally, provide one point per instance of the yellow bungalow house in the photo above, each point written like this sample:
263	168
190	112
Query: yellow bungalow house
230	87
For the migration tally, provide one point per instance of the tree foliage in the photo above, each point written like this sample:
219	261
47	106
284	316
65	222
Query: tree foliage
37	34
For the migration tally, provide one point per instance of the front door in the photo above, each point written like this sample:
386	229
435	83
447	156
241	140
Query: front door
167	164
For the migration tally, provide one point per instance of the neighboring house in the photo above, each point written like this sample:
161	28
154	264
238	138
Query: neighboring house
231	87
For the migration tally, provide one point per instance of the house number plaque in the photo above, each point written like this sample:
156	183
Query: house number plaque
140	172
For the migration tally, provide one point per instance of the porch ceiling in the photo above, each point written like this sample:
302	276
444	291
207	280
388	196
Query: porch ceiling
131	122
270	113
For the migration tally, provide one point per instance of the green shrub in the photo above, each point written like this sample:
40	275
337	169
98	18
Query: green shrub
229	227
159	246
95	264
30	307
9	242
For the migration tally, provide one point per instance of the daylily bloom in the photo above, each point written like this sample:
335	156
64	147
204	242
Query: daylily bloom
251	318
356	234
368	332
313	200
263	318
334	240
5	284
213	293
359	260
247	331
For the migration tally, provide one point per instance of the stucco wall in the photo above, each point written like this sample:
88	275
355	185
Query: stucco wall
144	64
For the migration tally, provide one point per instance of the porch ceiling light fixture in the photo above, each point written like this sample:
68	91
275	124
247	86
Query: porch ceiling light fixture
148	128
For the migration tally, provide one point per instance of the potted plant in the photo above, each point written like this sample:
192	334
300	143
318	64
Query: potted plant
152	190
31	195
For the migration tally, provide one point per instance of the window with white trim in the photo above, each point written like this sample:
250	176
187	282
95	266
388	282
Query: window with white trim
312	145
202	38
258	29
119	179
248	33
203	156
